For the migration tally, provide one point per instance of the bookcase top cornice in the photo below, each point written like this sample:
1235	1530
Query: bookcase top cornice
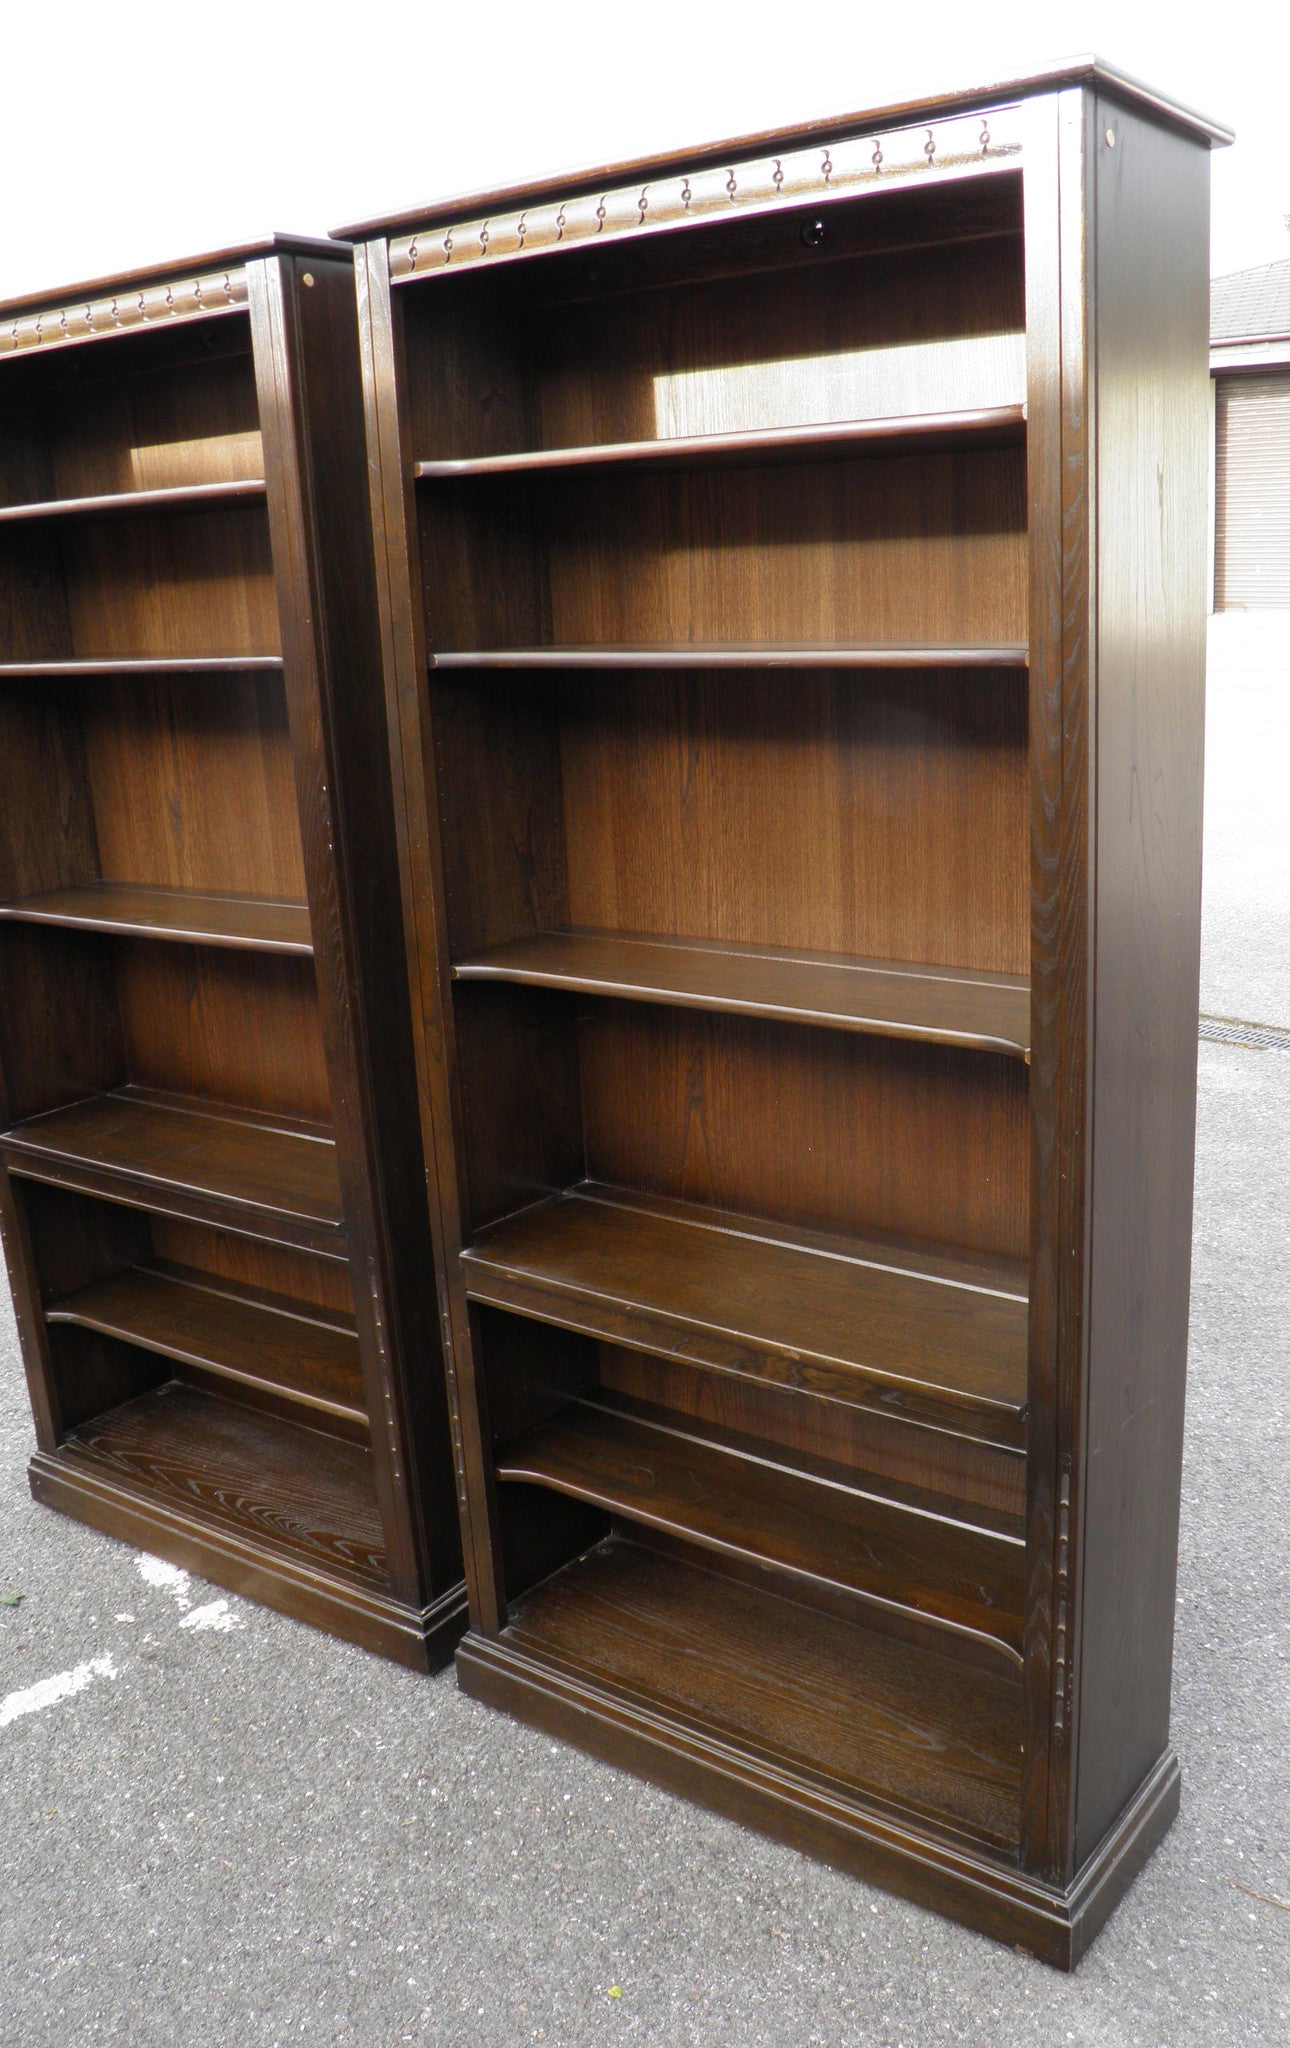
1090	71
128	300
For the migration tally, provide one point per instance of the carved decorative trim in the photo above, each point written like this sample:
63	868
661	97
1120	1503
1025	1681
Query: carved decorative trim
962	147
222	291
1062	1671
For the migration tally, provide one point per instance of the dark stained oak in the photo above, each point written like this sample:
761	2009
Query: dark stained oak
928	430
987	1010
189	915
800	856
753	1507
892	1720
200	1158
299	1491
747	654
167	498
209	1168
856	1328
242	1335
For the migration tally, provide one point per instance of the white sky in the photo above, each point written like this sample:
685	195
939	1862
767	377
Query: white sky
152	129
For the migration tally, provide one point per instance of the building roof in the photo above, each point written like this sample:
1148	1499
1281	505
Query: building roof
1250	304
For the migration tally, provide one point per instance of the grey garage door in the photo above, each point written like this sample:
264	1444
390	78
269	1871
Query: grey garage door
1252	514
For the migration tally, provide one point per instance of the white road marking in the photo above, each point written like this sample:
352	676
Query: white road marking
167	1578
216	1614
49	1691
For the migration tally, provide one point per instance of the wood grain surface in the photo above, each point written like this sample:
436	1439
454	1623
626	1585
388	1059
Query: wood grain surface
192	916
853	1329
300	1491
253	1340
886	1718
992	1012
188	1152
664	1473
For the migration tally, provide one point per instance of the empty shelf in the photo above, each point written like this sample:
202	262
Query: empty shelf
668	1475
677	1282
984	426
190	915
276	1486
738	654
171	498
191	1158
989	1011
235	1333
726	1663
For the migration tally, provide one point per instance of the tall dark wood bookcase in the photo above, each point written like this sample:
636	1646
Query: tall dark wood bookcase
214	1200
793	603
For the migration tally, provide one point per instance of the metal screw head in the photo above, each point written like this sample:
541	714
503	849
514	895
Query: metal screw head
811	233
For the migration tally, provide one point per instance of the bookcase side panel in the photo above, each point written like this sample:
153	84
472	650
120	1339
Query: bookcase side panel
1150	339
303	319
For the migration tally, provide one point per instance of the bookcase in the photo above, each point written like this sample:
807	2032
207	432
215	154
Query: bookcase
213	1191
791	562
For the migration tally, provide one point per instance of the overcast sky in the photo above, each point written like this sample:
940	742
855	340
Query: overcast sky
151	129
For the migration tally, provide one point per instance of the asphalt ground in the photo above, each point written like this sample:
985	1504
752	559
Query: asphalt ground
220	1826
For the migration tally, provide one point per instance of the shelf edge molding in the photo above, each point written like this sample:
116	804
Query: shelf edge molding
182	916
981	425
89	666
734	654
127	504
845	1328
985	1012
184	1156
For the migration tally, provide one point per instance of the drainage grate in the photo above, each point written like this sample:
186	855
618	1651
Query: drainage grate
1234	1031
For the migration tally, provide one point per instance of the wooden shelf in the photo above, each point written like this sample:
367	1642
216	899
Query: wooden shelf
238	1334
985	427
184	1156
862	1328
291	1491
822	1533
987	1011
190	916
89	666
781	1682
174	498
737	654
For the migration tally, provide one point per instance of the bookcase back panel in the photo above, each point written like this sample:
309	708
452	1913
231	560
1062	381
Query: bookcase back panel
936	332
628	344
60	1028
196	584
192	784
803	810
971	1475
278	1269
237	1027
825	1130
798	809
48	839
927	550
81	435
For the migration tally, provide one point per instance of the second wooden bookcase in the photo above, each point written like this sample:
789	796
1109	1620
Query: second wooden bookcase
793	612
212	1183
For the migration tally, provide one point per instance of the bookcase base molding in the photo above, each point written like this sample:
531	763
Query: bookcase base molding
422	1638
764	1792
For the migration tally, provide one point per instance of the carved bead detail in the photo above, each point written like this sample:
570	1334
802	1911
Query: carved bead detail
961	146
191	298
